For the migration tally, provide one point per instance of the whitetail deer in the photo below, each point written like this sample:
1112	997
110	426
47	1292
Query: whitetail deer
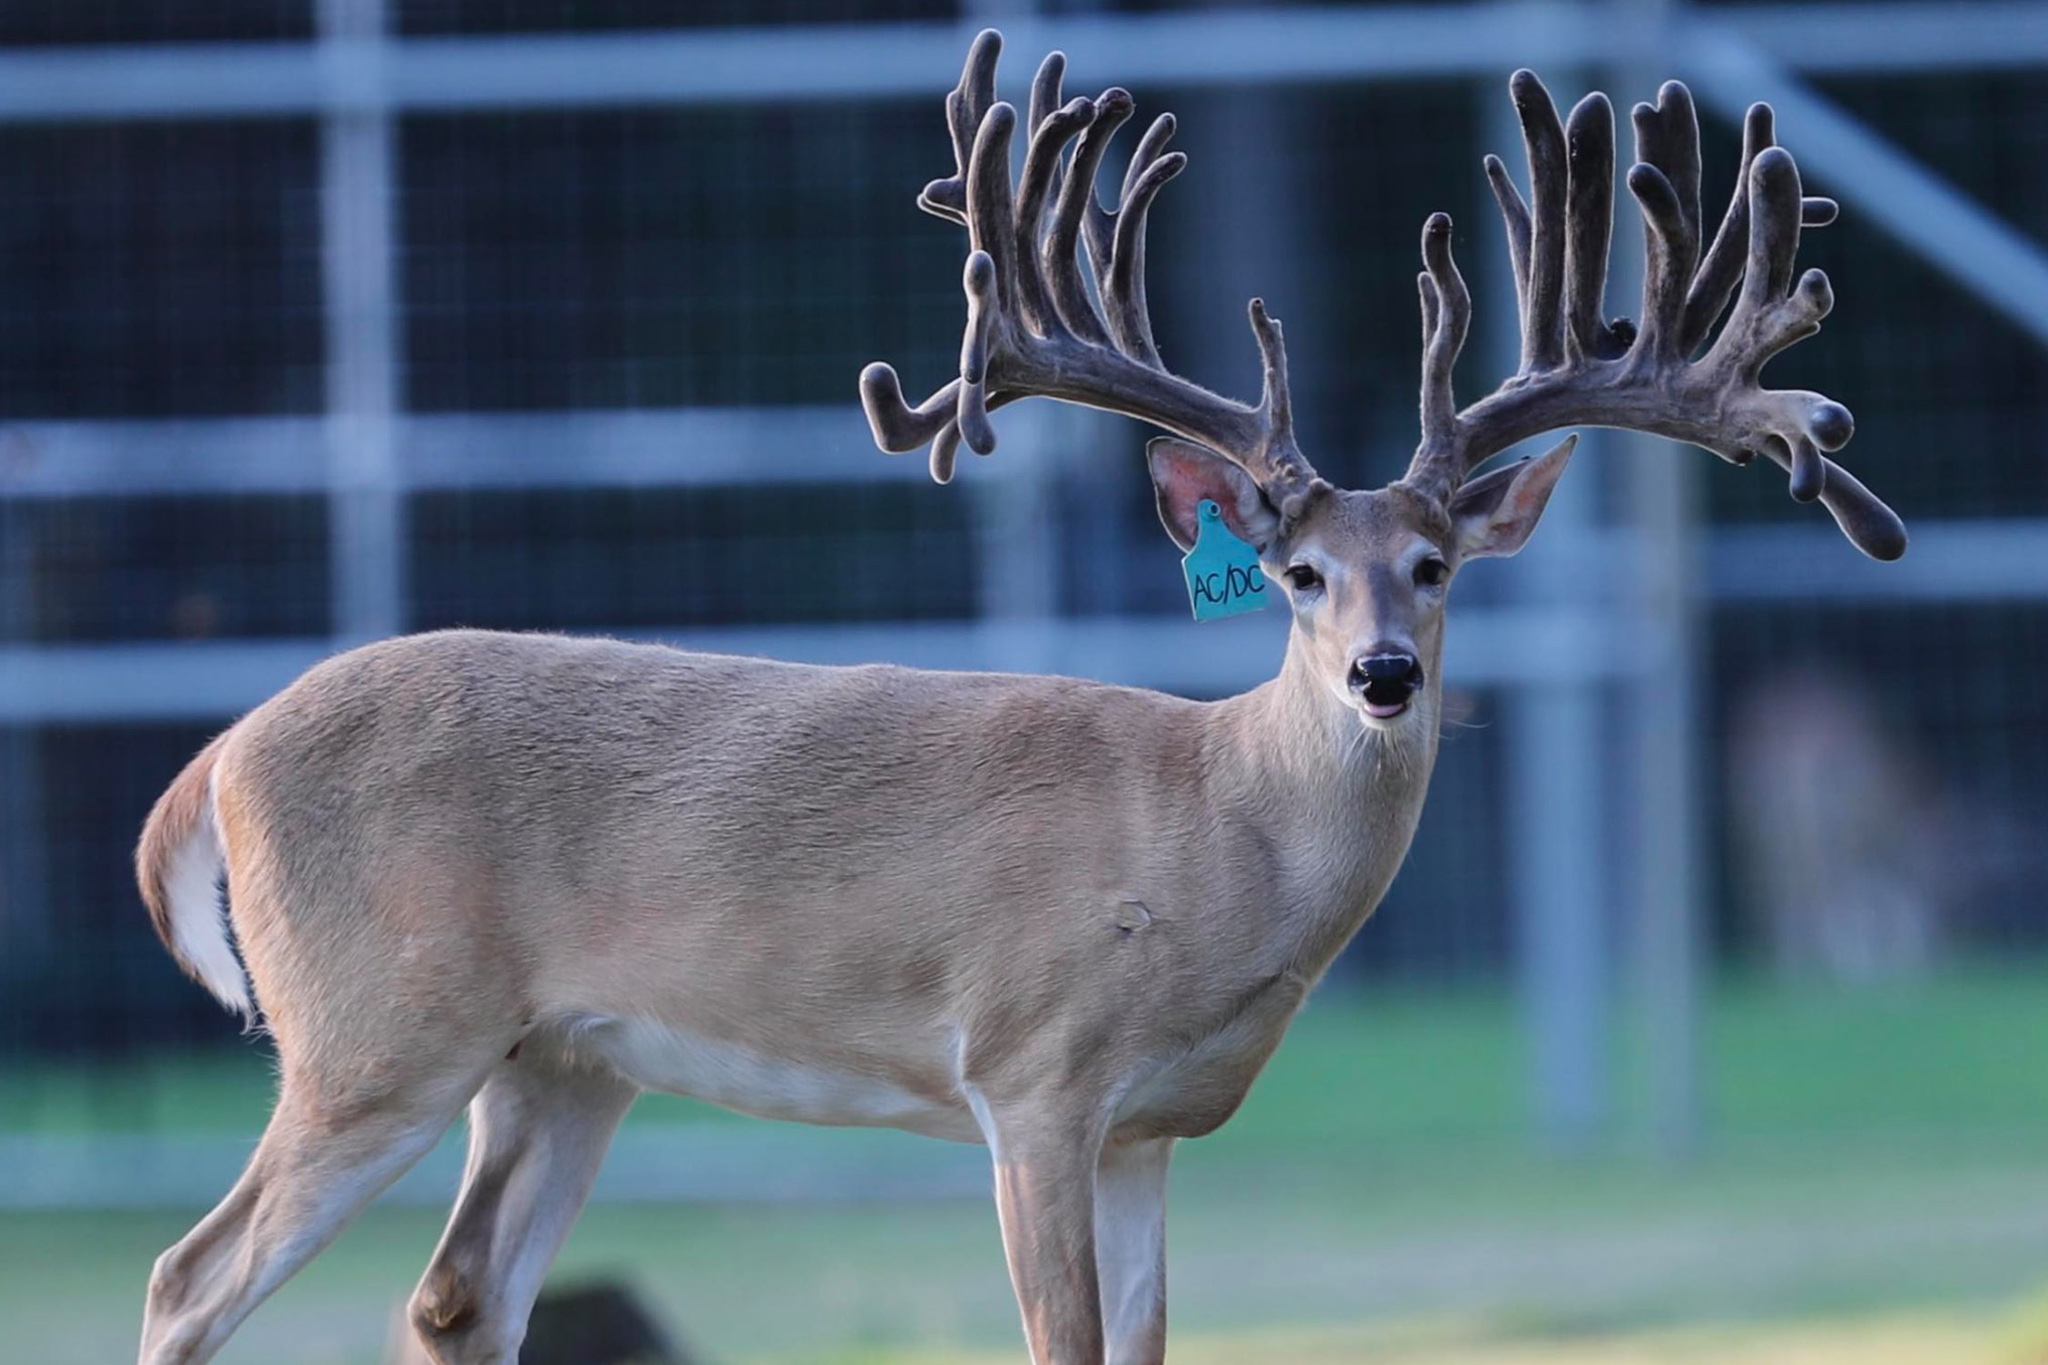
537	876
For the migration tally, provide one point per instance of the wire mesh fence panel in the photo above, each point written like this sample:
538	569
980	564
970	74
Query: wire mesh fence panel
186	568
152	269
466	17
734	256
87	977
608	559
748	255
81	22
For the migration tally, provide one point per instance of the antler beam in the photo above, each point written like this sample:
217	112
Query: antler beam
1034	325
1578	370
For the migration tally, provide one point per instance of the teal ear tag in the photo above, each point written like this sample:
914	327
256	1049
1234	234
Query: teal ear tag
1223	572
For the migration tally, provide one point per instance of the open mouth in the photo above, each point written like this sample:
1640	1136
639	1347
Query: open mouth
1386	698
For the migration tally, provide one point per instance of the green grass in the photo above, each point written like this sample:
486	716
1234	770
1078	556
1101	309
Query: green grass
1958	1052
1375	1064
1870	1152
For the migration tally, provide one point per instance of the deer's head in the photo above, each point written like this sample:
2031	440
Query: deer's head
1366	573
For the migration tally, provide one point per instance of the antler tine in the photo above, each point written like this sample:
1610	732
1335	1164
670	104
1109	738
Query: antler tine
1045	89
899	428
1041	172
1666	183
1862	516
1276	400
1558	249
1116	242
1285	473
1446	316
1769	316
1648	379
1721	269
983	303
966	105
1589	224
990	211
1033	325
1543	139
1514	213
1072	212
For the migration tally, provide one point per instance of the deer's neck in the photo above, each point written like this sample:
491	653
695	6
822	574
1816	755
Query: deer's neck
1336	801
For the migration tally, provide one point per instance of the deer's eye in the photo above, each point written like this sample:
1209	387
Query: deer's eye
1302	578
1432	572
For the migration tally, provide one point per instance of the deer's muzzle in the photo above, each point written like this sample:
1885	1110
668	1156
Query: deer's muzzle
1384	681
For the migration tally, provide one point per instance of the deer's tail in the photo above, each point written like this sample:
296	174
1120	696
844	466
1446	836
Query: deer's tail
178	865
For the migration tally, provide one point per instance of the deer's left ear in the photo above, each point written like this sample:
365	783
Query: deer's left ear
1183	475
1493	515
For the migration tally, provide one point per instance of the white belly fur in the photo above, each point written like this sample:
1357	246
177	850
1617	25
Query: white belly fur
660	1057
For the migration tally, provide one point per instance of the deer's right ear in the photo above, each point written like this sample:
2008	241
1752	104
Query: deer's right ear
1183	475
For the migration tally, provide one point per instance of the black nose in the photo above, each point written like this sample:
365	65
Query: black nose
1386	678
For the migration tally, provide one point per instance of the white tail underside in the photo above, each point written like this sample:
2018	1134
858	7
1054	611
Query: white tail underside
199	917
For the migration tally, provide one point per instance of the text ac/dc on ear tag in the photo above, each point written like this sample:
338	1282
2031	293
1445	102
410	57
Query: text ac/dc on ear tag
1223	572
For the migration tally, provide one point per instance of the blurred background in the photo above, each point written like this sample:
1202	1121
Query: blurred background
1707	1020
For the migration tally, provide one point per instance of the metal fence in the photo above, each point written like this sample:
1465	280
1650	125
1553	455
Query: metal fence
329	321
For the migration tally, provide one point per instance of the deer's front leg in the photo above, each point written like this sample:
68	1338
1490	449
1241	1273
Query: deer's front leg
1130	1249
1045	1199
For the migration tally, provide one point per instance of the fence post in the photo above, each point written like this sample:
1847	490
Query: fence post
358	207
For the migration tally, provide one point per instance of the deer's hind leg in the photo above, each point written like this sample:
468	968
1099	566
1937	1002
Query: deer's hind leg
539	1130
318	1164
382	1037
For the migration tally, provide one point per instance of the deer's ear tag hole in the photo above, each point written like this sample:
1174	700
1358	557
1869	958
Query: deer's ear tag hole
1223	572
